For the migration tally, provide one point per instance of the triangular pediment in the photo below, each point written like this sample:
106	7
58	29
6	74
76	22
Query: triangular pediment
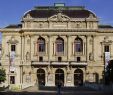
59	17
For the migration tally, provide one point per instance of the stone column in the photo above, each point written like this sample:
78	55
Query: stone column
86	48
67	48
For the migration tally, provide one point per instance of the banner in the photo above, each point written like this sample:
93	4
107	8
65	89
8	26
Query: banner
107	59
12	57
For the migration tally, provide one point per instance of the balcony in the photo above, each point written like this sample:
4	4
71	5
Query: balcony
39	63
59	63
78	63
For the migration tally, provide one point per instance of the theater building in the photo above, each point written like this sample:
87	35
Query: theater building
56	44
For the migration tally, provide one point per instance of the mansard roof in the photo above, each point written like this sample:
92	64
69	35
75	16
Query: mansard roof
105	26
14	26
72	12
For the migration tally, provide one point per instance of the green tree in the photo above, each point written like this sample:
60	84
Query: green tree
2	75
110	71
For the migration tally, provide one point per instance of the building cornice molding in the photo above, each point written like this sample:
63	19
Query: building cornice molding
107	30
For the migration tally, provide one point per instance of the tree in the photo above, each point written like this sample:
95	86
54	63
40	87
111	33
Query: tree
2	75
110	70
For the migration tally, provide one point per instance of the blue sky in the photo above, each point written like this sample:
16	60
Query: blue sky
11	11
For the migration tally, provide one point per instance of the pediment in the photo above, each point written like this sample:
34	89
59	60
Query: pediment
12	40
59	17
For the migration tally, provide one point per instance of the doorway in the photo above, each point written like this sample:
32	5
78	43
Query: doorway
59	77
41	77
78	77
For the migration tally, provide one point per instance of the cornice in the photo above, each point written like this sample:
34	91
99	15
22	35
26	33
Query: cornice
106	30
60	30
10	30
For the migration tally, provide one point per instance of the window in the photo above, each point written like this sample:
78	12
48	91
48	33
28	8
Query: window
13	47
78	45
41	45
78	59
40	59
28	78
12	79
59	59
59	45
106	48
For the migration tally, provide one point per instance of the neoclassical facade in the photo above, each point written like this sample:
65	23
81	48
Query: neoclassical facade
56	44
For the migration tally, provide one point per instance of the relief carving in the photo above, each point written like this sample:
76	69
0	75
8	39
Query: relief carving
59	17
12	40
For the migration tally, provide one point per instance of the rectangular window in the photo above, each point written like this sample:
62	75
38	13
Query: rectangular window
78	47
13	47
41	48
59	59
40	59
106	48
78	59
28	78
12	79
60	47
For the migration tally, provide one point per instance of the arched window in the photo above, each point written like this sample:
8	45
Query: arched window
41	45
78	45
59	45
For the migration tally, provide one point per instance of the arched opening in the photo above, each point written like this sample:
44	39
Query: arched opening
78	45
41	44
59	77
59	45
78	77
41	77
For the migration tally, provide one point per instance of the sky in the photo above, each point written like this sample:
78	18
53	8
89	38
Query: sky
11	11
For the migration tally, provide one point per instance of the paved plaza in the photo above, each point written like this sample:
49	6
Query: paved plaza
54	91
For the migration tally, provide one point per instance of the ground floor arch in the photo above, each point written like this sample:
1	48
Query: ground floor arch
41	77
78	77
59	77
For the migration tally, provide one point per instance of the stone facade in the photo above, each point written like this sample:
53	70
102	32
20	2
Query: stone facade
57	47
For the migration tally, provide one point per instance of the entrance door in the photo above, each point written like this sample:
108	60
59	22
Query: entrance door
78	77
12	79
59	77
41	77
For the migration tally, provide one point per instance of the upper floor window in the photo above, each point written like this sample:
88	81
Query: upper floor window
106	48
59	45
41	44
78	45
13	47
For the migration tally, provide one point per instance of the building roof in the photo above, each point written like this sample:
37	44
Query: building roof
73	12
105	26
14	26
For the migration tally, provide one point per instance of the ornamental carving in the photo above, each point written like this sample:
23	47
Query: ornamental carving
12	40
59	17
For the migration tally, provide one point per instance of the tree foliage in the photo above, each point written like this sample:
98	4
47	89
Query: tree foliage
110	71
2	75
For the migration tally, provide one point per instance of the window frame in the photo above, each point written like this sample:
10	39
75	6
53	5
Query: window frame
59	45
78	45
41	45
13	49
